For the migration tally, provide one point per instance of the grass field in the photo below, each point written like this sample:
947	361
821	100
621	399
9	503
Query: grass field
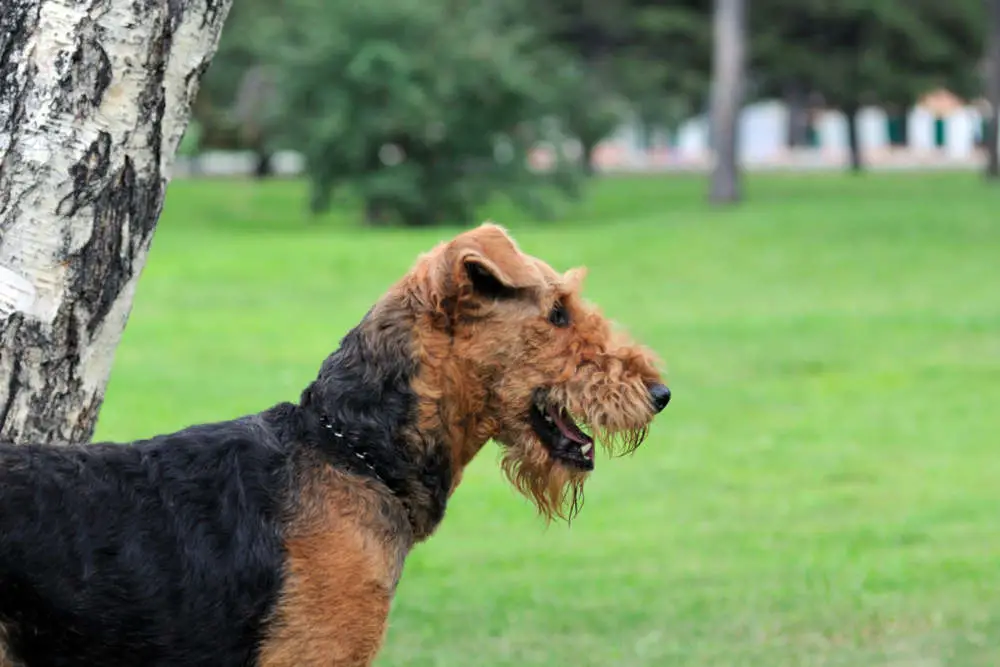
823	490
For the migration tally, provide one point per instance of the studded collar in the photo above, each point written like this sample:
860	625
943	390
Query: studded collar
340	436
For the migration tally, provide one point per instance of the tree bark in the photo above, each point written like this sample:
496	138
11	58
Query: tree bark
728	73
993	94
257	89
853	140
94	98
797	103
587	157
263	166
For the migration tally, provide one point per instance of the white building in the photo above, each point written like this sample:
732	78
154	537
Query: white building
939	129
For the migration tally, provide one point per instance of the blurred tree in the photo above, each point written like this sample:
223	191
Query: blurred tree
424	108
590	106
728	74
233	106
592	35
993	93
859	52
668	57
640	59
250	114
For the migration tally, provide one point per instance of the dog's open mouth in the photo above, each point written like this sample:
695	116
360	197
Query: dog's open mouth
560	434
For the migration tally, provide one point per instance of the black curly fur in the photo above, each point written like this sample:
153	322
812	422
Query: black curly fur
169	551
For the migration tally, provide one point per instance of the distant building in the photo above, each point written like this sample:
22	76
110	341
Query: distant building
940	128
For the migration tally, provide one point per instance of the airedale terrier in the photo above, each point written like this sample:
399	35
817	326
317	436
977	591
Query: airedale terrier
277	539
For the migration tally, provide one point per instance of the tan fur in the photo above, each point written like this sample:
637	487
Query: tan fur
344	561
5	658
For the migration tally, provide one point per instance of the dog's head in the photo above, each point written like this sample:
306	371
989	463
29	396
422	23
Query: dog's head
508	349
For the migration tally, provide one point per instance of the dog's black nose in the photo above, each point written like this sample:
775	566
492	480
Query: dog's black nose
660	394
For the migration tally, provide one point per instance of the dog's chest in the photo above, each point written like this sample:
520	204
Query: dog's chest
341	578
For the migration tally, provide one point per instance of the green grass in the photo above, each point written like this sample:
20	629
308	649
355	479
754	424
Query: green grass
823	490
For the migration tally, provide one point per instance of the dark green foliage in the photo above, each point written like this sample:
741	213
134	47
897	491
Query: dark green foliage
992	73
422	108
655	55
859	52
590	105
668	57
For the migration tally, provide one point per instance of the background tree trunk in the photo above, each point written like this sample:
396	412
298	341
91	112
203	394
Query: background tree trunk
993	93
94	98
256	92
263	164
853	140
728	72
587	157
797	102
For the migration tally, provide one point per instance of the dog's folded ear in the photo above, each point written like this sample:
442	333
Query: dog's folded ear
573	279
488	259
477	266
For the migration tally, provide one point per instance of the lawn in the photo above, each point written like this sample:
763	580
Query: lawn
824	488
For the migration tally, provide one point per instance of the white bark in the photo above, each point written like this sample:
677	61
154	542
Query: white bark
95	96
728	73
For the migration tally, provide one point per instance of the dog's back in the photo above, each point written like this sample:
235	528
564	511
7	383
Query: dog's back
126	554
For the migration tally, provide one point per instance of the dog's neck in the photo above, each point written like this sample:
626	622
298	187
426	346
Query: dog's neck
360	413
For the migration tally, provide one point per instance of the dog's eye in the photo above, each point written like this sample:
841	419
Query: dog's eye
559	316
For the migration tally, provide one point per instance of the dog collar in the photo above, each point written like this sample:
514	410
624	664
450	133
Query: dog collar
338	436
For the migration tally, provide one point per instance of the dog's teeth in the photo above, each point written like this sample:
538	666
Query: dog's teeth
587	447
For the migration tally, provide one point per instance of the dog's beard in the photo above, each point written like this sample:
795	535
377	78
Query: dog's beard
555	489
621	443
555	486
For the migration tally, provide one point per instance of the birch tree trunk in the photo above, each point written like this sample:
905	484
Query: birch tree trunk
728	73
94	98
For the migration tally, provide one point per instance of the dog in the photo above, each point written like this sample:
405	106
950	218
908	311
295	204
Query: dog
278	539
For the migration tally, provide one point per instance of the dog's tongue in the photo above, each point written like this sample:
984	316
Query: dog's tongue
568	427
